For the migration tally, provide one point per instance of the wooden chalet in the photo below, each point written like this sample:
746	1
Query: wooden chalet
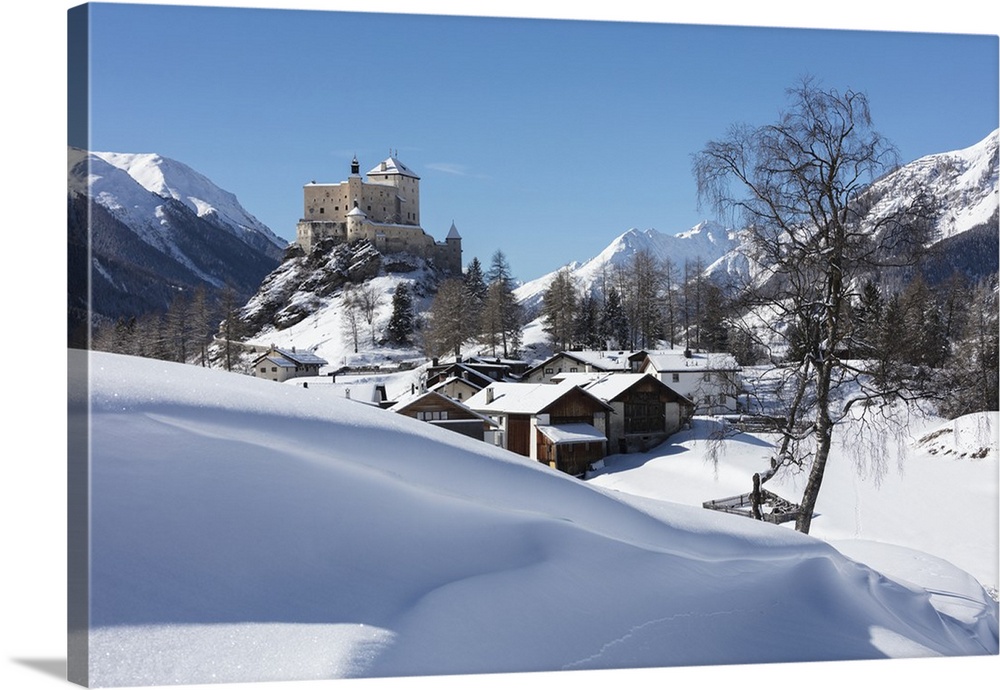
442	411
558	424
645	410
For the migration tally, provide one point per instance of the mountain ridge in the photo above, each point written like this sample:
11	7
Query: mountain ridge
143	228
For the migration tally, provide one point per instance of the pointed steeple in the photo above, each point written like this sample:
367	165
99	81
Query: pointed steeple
453	233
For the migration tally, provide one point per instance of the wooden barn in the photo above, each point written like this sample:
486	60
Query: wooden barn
646	410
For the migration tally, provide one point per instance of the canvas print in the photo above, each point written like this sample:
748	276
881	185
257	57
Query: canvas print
407	345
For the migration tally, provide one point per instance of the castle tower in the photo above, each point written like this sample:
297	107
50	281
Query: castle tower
406	205
453	249
356	221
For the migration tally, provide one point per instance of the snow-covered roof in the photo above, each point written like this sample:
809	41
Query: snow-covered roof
279	361
610	386
522	398
292	357
453	232
455	379
392	166
561	434
451	402
603	360
677	360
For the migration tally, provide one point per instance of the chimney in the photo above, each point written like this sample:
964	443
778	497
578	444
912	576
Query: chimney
489	394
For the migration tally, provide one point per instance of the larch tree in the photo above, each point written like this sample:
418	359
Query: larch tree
802	189
559	309
453	319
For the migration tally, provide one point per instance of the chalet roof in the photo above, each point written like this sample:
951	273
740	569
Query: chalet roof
442	399
291	358
392	166
277	360
524	398
678	360
561	434
611	386
463	371
602	360
437	387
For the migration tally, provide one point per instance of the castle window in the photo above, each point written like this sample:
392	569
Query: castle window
322	210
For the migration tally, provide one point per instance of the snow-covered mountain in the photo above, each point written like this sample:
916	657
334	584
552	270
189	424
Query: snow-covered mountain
964	182
275	532
133	186
965	238
706	242
157	226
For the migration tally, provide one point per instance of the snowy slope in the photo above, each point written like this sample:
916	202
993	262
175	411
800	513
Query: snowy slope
246	530
930	487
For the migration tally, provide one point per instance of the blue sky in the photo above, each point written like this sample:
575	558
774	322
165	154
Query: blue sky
545	138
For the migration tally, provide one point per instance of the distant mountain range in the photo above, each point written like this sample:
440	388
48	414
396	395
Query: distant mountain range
706	243
156	227
964	183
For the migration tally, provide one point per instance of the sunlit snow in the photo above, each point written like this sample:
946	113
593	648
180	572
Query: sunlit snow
243	529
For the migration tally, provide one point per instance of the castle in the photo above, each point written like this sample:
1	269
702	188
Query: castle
384	209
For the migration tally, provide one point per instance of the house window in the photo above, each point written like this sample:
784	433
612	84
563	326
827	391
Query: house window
263	370
431	415
548	370
675	377
572	370
274	368
707	376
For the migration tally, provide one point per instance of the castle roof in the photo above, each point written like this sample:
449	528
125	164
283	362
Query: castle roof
392	166
453	233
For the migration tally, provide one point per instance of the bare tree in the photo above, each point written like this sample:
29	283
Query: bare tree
802	187
351	311
369	300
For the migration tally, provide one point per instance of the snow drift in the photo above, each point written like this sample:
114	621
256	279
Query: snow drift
244	530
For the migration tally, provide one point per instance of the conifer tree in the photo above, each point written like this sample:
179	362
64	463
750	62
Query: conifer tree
401	323
475	281
614	322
